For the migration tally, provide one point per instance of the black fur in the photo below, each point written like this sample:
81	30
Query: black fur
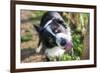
47	39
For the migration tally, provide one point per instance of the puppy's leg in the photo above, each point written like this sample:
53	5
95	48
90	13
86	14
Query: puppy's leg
39	48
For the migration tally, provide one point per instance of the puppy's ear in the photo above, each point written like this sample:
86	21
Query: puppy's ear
36	27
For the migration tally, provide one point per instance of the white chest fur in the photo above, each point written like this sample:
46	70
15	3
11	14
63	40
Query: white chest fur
54	52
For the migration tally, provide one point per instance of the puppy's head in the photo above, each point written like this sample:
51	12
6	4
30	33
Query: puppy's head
54	31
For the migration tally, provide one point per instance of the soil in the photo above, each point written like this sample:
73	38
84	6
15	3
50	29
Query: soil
28	48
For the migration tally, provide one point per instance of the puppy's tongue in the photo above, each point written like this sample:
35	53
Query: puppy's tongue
68	46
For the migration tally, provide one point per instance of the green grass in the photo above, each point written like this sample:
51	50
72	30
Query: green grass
26	38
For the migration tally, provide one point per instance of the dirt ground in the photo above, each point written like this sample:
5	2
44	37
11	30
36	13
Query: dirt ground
28	47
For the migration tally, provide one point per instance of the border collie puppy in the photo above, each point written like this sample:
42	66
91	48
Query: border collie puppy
55	35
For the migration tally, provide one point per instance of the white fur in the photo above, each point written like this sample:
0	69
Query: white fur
39	48
54	52
48	23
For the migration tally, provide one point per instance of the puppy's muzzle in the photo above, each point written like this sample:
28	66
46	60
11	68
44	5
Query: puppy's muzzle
64	41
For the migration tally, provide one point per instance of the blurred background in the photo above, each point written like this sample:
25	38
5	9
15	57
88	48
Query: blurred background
79	23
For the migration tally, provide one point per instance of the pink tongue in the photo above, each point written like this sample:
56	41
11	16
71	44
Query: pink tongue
68	46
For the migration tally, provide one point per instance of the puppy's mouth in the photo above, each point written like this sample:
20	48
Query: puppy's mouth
68	46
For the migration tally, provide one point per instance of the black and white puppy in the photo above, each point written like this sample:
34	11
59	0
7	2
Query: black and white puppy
55	35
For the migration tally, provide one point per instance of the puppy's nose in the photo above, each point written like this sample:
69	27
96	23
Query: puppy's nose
63	42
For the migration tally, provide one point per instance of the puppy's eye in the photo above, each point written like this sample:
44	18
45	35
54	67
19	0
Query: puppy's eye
57	30
60	22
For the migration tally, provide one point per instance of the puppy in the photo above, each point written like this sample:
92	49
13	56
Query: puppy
55	35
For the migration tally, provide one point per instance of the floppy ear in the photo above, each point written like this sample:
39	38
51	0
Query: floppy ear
36	27
38	30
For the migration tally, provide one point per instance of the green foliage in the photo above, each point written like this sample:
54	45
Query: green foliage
37	16
68	57
38	13
65	57
26	38
77	44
